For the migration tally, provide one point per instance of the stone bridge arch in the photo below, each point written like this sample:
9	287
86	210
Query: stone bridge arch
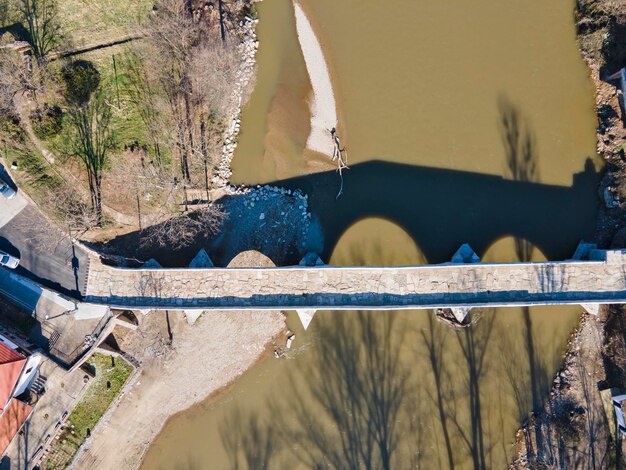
511	249
376	241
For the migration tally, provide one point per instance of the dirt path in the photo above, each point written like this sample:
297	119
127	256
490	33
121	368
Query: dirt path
201	360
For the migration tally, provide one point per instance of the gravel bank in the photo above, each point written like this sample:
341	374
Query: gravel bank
323	107
245	76
201	360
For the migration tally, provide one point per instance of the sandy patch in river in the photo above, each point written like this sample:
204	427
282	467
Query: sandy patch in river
323	106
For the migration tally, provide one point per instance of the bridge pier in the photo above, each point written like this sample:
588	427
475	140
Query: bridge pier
192	315
464	255
592	309
151	264
306	316
460	313
201	260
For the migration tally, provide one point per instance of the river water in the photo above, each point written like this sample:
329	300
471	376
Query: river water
464	122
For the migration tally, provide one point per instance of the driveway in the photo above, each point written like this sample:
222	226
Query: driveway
47	255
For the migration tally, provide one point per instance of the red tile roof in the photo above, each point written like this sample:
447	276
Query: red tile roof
11	365
8	355
11	421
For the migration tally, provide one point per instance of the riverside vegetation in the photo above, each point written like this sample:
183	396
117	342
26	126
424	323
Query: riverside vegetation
117	115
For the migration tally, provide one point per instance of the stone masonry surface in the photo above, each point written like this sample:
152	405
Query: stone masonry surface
427	286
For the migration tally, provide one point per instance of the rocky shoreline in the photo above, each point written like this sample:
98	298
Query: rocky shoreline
272	220
234	341
247	49
572	427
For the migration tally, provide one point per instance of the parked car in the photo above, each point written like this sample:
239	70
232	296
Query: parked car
6	190
8	260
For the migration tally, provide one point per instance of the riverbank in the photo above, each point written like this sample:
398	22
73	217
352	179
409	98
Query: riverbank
247	49
181	365
571	428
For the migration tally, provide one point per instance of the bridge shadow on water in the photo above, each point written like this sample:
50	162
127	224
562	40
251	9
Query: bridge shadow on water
441	209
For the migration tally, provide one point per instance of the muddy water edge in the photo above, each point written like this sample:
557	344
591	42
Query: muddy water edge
464	123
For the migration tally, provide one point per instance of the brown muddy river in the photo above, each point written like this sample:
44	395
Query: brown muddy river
464	122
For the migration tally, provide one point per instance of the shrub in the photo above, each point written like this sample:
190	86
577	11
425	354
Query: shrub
566	419
249	10
10	127
47	121
81	80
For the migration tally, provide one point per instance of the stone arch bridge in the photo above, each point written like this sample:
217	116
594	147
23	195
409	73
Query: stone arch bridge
592	277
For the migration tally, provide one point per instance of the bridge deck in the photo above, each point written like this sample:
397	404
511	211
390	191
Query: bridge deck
428	286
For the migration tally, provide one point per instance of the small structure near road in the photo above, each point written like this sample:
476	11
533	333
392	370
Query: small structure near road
621	76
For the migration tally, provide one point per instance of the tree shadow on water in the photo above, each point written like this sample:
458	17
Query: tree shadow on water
457	392
249	441
473	342
348	414
529	382
519	142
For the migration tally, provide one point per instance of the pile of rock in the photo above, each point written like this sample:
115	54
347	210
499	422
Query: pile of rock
272	220
292	205
247	49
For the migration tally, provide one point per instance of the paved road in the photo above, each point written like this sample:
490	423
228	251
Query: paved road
46	254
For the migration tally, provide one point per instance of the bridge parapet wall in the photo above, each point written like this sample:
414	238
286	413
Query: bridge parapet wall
426	286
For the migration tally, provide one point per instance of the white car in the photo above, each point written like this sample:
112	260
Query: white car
8	260
6	190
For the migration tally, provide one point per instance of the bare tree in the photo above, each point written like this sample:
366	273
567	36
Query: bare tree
16	79
92	141
170	37
212	72
8	87
40	19
196	77
179	232
70	210
227	17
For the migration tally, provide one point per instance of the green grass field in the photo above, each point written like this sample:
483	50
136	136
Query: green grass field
110	376
91	21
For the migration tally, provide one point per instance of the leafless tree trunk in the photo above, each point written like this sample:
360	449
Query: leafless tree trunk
92	142
222	20
40	19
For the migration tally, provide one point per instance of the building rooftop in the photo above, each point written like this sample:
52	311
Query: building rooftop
11	365
11	421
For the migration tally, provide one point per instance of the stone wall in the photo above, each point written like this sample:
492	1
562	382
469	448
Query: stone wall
427	286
